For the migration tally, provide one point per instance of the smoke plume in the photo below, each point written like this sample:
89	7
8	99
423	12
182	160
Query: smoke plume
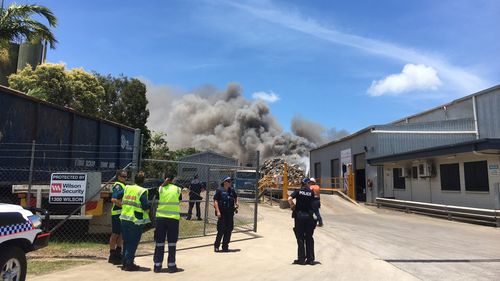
228	123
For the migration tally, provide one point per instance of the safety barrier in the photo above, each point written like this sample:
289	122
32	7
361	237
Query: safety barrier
464	214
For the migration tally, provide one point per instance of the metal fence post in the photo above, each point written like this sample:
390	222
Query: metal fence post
141	152
207	196
30	180
257	174
135	152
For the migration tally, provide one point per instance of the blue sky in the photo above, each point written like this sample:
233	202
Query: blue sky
343	64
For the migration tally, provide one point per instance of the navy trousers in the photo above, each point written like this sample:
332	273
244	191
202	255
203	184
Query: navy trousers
304	230
169	229
225	226
131	234
192	202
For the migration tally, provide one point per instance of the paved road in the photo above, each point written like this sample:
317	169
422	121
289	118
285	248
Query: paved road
427	248
356	244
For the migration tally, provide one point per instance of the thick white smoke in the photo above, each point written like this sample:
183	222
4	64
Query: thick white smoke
226	122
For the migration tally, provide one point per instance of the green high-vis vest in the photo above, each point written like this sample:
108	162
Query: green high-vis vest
131	205
168	204
115	210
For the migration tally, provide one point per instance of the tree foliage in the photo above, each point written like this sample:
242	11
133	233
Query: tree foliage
125	102
17	24
75	88
159	146
161	151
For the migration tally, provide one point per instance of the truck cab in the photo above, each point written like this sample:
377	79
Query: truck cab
245	183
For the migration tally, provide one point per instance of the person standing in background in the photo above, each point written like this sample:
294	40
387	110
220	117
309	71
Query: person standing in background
195	190
316	204
115	240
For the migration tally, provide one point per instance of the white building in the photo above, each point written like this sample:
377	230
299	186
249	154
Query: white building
446	155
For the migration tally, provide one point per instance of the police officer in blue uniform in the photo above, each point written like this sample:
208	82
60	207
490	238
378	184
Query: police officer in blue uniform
195	189
304	222
225	203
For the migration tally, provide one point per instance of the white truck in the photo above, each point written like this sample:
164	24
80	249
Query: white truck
20	232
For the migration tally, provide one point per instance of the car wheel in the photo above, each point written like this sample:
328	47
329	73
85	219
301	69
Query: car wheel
12	264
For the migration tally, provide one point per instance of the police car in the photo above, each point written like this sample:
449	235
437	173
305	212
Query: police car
20	232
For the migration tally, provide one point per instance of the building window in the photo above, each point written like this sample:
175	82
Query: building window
398	180
414	172
476	176
450	176
335	173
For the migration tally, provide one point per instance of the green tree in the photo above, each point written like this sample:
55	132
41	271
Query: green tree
125	102
86	92
76	88
17	24
159	146
161	151
47	82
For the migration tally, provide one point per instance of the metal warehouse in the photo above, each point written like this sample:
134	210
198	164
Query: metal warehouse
209	166
446	155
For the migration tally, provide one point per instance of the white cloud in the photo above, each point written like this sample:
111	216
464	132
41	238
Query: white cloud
458	79
412	78
269	97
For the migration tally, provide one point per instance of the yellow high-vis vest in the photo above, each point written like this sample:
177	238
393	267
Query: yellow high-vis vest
115	210
131	205
168	204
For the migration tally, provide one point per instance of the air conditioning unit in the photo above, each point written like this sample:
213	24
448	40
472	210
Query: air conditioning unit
425	170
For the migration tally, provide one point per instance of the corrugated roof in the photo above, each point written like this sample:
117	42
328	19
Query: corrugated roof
497	87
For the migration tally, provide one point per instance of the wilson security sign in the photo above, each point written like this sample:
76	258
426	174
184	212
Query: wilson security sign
67	188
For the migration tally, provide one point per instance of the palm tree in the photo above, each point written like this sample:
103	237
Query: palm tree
16	24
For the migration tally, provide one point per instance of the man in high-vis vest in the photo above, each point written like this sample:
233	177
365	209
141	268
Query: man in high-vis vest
115	240
134	216
167	224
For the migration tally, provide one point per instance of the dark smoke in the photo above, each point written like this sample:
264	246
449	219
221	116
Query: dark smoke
227	123
315	132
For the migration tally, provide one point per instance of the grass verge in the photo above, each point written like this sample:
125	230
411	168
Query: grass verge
57	249
39	267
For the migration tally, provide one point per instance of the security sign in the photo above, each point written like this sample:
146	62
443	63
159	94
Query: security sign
67	188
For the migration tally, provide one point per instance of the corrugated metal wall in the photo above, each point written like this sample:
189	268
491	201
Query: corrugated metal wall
187	171
394	143
488	111
461	109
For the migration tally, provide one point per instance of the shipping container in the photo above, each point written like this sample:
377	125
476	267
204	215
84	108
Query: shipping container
64	140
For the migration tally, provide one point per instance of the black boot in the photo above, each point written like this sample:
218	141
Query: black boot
112	256
119	253
119	256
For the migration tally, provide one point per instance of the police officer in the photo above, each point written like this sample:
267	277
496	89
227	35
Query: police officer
167	224
304	222
115	240
134	216
195	189
225	203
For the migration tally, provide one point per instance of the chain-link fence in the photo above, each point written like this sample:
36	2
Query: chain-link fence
199	176
73	183
70	181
